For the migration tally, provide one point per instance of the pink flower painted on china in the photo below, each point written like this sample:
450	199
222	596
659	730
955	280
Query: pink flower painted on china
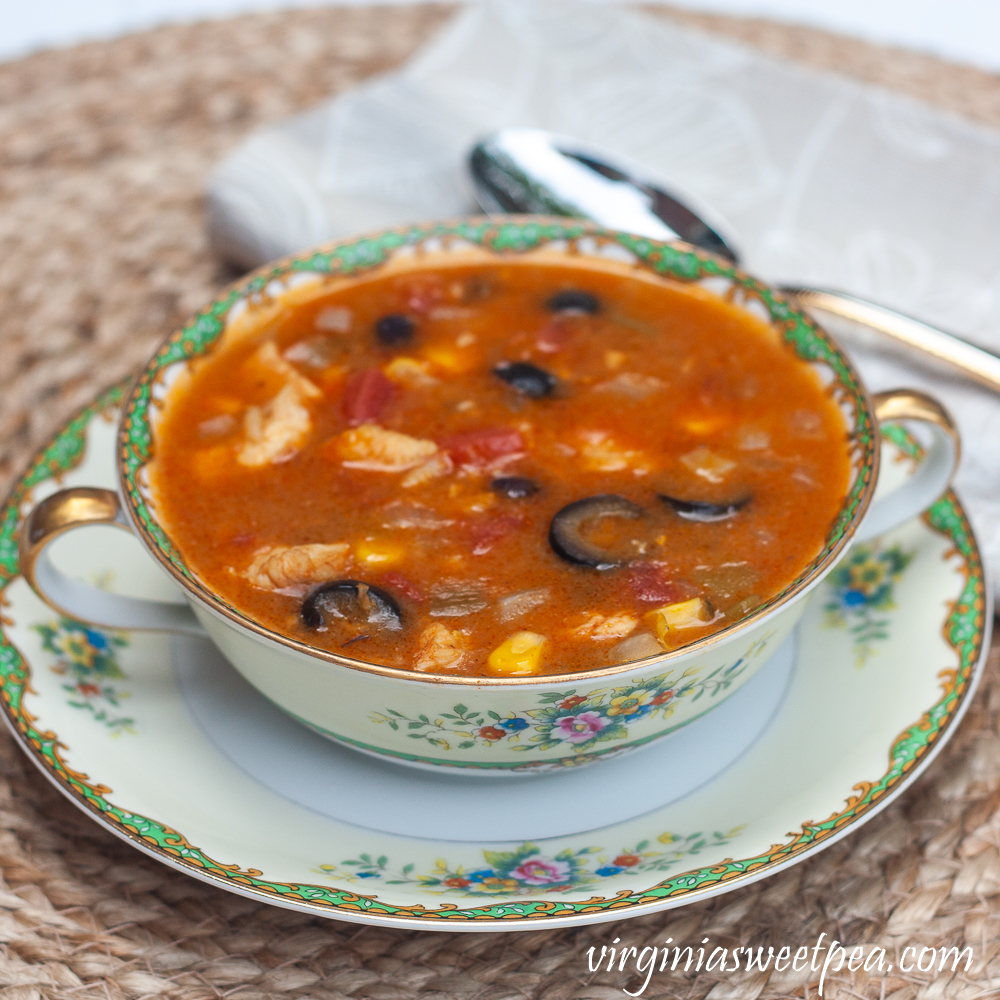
579	728
541	871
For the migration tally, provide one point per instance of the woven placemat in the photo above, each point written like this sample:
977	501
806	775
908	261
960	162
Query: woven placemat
104	154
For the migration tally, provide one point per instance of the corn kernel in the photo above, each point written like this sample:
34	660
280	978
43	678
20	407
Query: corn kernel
685	614
517	655
411	372
704	425
377	551
449	360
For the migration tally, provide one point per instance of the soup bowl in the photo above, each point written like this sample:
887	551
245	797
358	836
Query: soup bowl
506	725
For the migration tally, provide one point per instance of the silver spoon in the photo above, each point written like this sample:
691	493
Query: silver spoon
531	170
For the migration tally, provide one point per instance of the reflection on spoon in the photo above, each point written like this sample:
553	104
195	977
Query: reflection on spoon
530	170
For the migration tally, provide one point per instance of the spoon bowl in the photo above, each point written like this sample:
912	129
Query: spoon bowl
527	170
534	171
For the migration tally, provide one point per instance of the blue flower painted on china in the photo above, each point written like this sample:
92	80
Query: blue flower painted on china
96	639
513	725
863	590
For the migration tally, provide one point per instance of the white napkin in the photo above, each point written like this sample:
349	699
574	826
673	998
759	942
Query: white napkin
824	181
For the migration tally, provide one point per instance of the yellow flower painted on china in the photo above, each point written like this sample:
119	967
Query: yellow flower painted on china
494	884
75	647
667	838
868	576
628	704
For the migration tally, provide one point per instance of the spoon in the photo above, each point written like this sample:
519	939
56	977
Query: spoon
531	170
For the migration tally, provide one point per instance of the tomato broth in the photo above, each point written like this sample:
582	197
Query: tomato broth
501	469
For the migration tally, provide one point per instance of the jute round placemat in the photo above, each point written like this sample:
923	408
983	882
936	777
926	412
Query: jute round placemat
104	154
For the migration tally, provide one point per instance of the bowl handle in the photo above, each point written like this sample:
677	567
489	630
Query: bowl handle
935	471
80	507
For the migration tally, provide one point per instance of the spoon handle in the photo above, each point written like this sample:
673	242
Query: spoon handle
975	362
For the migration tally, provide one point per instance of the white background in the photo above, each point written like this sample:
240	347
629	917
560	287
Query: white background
962	30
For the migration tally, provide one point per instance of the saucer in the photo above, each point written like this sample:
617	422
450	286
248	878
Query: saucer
163	743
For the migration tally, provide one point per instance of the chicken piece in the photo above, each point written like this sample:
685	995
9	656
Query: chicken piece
436	466
601	453
439	649
601	627
268	356
372	447
274	433
279	566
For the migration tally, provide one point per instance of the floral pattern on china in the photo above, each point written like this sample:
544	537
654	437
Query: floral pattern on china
569	720
87	659
527	870
864	586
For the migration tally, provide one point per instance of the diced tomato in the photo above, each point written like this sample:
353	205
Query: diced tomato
553	336
424	292
400	584
483	446
649	582
366	395
486	534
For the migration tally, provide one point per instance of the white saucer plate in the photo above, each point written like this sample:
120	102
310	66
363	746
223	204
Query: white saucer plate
163	743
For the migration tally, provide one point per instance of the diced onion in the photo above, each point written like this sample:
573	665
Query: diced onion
635	647
515	605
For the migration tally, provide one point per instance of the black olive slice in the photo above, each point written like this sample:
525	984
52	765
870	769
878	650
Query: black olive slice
514	487
353	601
395	329
573	300
568	542
526	378
701	510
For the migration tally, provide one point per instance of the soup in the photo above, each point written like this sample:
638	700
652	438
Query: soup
500	470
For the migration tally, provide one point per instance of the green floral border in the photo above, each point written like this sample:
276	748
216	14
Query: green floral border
516	236
964	629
